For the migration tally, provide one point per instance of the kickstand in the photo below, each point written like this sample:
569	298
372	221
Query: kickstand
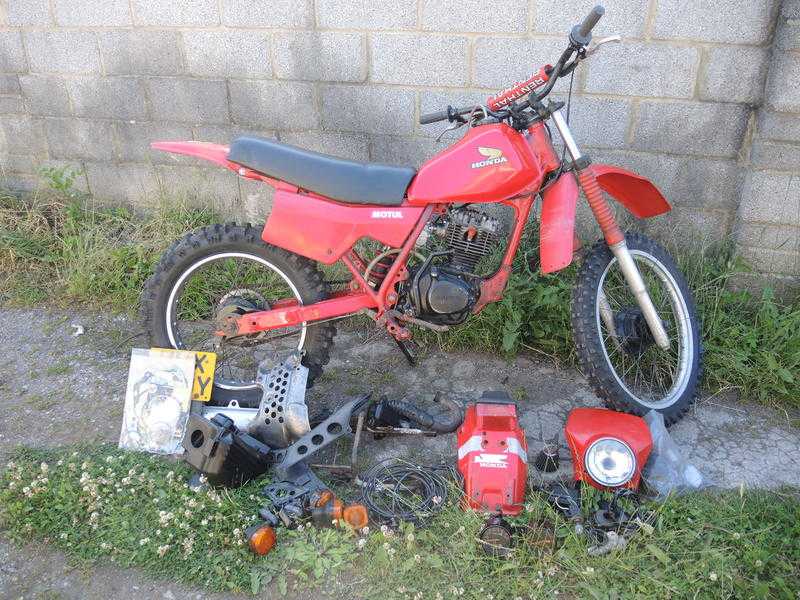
405	348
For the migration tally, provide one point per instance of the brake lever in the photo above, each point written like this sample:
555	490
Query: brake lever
452	127
596	46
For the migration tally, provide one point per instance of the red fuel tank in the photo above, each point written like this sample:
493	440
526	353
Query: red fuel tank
493	456
490	163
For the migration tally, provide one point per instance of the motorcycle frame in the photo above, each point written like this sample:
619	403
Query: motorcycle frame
558	240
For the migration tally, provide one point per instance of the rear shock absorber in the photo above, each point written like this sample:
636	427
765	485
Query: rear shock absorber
379	268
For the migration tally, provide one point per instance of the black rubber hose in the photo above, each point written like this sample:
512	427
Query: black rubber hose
424	419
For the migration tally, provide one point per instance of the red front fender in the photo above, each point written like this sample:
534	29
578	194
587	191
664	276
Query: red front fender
556	244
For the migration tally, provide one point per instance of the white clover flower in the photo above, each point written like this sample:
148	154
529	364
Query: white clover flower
44	467
759	563
365	530
437	499
712	576
109	459
588	570
162	550
63	536
59	463
410	537
12	485
361	543
144	541
391	551
204	522
417	558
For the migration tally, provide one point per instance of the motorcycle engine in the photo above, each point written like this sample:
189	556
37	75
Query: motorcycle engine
445	293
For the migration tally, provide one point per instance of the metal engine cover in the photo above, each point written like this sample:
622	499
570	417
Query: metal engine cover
282	415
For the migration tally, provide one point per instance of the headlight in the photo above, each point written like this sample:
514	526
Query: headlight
610	462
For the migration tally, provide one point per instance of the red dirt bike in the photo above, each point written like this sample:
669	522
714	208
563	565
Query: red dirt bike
247	293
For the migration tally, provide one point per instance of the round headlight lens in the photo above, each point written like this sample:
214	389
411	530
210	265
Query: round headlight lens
610	462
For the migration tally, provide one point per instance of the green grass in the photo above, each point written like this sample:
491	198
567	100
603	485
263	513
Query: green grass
100	505
56	249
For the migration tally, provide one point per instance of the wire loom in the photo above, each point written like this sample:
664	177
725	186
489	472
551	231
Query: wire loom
394	490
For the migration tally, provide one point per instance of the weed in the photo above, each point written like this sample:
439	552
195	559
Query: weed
60	368
99	504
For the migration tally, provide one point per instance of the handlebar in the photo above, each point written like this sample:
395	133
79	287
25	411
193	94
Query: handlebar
579	37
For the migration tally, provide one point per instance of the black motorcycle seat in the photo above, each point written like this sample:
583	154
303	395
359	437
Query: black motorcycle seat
336	178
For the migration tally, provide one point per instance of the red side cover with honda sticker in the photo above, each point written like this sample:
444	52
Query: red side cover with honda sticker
323	230
493	458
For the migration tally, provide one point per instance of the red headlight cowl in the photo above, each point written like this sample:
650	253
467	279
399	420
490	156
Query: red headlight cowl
586	426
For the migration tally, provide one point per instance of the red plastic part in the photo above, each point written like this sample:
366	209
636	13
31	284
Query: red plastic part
586	425
490	163
493	458
324	231
556	231
639	195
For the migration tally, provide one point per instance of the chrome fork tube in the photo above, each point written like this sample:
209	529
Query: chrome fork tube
634	280
626	263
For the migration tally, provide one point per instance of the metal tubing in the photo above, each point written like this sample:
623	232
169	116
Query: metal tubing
566	135
634	280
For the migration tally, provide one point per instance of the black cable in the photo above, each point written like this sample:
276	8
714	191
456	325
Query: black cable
395	490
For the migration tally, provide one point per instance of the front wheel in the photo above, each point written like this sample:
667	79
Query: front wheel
616	350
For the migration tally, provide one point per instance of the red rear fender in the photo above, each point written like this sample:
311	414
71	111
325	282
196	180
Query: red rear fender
216	153
639	195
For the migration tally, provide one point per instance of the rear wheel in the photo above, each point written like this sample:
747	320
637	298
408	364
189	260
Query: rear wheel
615	347
227	270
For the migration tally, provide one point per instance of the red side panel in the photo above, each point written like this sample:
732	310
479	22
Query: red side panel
556	234
323	230
636	193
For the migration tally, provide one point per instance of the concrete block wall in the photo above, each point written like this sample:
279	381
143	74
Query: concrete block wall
703	97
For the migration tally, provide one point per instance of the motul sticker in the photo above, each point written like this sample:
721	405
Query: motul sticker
494	156
387	214
492	461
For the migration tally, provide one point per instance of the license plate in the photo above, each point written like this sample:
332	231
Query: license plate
203	383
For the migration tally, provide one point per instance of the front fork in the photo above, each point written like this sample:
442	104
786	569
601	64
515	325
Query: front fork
614	238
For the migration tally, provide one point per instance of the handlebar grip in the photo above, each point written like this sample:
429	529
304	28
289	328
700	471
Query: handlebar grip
591	20
439	115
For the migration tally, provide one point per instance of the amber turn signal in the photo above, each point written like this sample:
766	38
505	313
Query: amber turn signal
261	538
356	516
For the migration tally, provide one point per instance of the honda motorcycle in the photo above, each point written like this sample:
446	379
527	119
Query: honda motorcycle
411	243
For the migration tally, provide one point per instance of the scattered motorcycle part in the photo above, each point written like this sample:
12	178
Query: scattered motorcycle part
391	413
496	537
330	430
224	454
667	471
327	514
612	542
609	449
566	499
282	414
356	515
298	487
547	459
268	516
493	455
261	538
241	417
395	490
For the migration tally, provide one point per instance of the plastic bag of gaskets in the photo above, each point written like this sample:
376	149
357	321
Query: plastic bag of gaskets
667	470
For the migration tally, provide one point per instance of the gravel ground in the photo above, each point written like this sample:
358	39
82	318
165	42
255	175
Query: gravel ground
58	388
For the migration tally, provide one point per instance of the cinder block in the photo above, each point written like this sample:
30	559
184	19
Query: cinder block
770	198
176	13
142	52
502	61
188	100
730	21
12	56
135	139
278	13
689	228
352	146
775	155
45	95
636	69
9	85
28	12
131	184
783	84
778	126
203	187
623	17
320	56
735	74
256	201
787	36
367	109
224	134
419	59
11	105
228	53
773	237
62	51
273	105
403	151
367	14
505	16
599	122
72	139
765	260
702	129
92	13
107	97
21	134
